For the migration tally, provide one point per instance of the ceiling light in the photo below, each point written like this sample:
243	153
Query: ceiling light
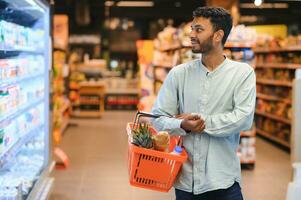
135	4
258	2
264	5
178	4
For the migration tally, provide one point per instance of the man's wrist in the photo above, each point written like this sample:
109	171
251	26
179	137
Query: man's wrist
181	125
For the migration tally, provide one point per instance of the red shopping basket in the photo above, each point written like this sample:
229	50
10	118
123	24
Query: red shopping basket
153	169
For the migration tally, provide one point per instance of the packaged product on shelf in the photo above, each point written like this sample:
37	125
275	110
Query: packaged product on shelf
184	34
161	73
246	150
4	100
242	34
168	38
268	41
1	140
14	35
13	92
10	134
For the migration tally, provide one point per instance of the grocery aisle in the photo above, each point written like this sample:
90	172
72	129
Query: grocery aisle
97	150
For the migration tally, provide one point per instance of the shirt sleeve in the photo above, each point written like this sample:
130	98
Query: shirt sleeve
167	104
241	118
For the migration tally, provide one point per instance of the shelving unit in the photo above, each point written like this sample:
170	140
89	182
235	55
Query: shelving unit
60	102
24	101
273	98
274	82
158	82
275	70
277	49
91	100
274	117
278	65
273	138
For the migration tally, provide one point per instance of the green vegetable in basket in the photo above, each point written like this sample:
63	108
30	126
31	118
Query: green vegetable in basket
142	136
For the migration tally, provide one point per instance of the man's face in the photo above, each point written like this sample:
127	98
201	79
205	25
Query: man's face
201	35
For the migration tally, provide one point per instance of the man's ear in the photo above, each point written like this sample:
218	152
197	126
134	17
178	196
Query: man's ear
218	36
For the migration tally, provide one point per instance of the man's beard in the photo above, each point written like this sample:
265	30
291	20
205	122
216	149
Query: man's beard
205	47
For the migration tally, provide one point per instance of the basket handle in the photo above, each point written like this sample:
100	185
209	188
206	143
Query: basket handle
145	114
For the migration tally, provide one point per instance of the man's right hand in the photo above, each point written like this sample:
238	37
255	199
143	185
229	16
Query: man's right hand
193	123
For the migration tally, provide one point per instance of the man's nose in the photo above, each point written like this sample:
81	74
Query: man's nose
192	34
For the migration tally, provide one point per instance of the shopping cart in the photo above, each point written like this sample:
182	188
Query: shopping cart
149	168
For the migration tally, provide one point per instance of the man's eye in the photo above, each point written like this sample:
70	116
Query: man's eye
198	30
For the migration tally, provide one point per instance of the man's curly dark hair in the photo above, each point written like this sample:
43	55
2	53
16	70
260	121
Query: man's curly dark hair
219	18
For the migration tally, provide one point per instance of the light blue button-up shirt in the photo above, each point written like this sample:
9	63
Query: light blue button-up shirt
225	98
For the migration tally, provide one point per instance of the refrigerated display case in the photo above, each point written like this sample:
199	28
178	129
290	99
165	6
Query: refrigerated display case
24	99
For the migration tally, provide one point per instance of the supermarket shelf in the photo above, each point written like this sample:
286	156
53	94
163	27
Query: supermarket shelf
4	53
247	162
273	138
20	79
89	103
174	48
66	106
244	134
275	82
15	113
16	12
163	66
274	117
273	98
278	65
86	114
121	103
239	45
13	151
277	49
59	49
158	80
122	91
44	191
43	186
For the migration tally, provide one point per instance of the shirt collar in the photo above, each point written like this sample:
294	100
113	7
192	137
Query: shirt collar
204	69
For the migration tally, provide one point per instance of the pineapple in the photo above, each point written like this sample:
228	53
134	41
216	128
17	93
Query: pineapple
142	136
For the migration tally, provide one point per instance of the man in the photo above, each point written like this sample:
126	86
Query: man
213	99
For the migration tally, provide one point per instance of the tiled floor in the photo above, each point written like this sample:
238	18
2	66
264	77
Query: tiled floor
98	171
